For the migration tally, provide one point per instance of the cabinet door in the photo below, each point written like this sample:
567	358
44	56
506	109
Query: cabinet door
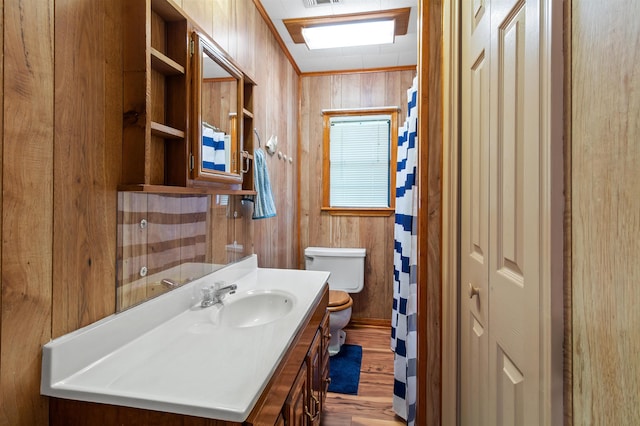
316	382
324	351
295	407
280	421
217	100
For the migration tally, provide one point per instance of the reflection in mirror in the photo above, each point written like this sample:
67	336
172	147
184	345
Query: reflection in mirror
165	241
217	102
219	97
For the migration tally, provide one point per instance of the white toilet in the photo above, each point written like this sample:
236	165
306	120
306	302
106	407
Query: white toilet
346	266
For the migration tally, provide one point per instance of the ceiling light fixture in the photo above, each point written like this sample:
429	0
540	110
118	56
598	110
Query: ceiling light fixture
312	3
345	30
363	33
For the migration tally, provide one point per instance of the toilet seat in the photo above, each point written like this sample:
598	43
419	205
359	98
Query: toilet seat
339	301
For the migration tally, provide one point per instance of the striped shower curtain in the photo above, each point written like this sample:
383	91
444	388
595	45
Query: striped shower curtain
404	315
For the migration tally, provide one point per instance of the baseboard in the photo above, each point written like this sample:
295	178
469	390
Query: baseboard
369	323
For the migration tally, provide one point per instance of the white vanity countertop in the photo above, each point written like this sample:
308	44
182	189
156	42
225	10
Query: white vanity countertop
168	354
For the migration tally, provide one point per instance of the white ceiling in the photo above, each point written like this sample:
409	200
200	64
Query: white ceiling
402	53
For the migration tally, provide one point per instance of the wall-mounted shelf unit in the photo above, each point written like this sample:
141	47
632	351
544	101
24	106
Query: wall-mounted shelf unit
155	92
158	118
248	141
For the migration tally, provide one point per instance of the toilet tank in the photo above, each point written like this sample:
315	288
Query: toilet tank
345	264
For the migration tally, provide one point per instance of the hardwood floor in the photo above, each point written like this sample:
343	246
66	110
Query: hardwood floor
372	405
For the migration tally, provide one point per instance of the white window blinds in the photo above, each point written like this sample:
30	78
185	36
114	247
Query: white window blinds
359	161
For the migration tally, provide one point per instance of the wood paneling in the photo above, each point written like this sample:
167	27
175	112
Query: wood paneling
239	29
27	208
27	193
353	90
605	176
430	131
277	115
567	357
88	135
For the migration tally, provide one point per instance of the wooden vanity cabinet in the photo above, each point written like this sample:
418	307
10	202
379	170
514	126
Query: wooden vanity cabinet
314	359
305	402
280	421
325	380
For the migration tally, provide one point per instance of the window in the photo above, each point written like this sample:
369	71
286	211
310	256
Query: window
359	159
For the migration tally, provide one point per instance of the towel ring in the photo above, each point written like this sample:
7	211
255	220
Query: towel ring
245	160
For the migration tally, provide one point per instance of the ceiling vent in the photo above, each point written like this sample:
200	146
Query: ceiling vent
313	3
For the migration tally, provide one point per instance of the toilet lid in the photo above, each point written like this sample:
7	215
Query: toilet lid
339	300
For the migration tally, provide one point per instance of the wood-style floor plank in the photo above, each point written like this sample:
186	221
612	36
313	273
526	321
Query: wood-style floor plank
372	406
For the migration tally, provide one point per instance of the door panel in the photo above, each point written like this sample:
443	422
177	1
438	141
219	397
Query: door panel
476	378
475	214
510	391
514	213
500	213
509	159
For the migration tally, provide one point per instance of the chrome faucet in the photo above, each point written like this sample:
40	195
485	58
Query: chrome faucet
215	293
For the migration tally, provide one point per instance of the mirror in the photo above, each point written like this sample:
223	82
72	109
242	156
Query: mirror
217	84
167	240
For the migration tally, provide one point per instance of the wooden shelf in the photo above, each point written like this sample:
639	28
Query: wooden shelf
248	131
168	9
155	94
166	132
167	189
164	64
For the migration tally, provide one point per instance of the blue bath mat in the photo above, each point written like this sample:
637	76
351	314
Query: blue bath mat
344	370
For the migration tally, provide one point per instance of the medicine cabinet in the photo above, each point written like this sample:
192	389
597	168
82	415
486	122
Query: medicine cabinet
217	99
187	107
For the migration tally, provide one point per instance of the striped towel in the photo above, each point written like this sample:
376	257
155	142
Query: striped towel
213	152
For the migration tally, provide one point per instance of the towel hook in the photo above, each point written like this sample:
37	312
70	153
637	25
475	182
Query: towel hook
258	136
244	160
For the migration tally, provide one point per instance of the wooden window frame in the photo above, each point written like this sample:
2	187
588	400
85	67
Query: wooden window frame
327	115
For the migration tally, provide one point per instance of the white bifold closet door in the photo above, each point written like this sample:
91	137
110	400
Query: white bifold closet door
500	350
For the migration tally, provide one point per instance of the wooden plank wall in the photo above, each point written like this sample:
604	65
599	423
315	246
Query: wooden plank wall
239	29
88	134
605	175
61	164
27	208
353	90
430	167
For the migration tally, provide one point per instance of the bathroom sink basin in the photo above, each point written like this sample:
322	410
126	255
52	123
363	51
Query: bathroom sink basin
256	308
